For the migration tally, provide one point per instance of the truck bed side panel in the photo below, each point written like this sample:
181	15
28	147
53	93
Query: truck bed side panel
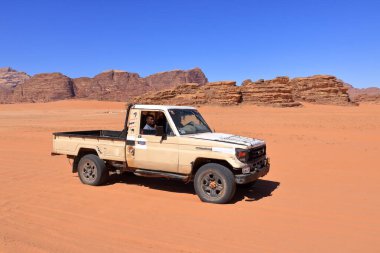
106	148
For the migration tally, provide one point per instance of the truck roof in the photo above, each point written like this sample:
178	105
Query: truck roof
162	107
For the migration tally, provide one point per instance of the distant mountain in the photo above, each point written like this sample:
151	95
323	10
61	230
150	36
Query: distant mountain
371	94
180	87
115	85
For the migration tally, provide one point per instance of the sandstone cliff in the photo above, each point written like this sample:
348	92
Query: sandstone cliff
276	92
218	93
180	87
321	89
5	94
371	95
110	85
223	93
43	88
121	85
10	78
170	79
279	92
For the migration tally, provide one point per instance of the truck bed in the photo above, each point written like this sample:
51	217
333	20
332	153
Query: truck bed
104	134
109	144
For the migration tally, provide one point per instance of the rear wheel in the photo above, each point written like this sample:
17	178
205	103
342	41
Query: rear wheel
214	183
92	170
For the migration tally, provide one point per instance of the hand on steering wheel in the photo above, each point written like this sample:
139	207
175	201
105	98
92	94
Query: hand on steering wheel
190	123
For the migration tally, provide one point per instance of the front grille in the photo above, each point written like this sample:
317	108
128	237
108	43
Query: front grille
257	155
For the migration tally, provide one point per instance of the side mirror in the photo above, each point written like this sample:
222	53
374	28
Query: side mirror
160	131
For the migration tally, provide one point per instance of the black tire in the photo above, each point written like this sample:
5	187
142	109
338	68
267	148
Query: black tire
92	170
247	185
214	183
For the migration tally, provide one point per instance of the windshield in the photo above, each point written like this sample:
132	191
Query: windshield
189	121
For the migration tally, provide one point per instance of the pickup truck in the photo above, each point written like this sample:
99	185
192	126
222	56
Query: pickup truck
173	142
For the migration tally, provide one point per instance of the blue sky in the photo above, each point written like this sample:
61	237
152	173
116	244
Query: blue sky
229	40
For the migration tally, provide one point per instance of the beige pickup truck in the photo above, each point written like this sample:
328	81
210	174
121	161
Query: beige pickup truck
167	141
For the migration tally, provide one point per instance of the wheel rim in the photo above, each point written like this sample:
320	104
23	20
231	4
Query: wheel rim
89	172
212	185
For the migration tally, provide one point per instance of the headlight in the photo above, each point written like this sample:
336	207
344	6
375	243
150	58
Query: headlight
242	155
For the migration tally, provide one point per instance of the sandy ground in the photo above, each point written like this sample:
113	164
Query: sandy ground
321	194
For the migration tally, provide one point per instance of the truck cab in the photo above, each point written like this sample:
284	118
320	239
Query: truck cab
167	141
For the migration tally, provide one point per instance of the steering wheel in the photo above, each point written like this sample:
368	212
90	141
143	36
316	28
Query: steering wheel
191	123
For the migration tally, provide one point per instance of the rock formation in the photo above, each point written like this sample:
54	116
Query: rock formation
170	79
217	93
120	85
320	89
279	92
180	87
371	95
178	95
276	92
283	91
223	93
110	85
5	94
10	78
43	88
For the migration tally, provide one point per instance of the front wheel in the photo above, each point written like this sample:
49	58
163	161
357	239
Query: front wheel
214	183
92	170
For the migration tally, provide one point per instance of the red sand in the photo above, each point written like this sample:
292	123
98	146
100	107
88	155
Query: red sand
321	194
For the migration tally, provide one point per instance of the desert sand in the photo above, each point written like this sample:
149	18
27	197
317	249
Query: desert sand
321	195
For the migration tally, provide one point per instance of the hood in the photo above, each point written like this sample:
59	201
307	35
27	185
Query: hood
229	138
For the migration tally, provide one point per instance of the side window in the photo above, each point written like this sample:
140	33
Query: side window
148	123
151	119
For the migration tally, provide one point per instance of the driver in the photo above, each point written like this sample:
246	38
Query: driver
188	128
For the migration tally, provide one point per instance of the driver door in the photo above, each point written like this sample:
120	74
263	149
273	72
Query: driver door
156	152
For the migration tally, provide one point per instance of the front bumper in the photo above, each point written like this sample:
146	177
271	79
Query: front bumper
253	175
